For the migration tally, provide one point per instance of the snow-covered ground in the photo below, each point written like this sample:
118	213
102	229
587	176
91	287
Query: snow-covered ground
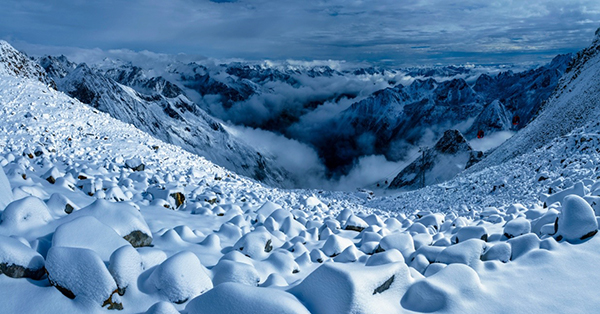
97	215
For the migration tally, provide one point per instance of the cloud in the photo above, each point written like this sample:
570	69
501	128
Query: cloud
299	159
384	31
491	141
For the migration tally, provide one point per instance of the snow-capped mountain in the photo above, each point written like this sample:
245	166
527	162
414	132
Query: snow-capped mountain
13	62
573	104
160	108
449	156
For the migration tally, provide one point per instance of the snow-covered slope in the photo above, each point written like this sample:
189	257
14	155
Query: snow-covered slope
160	108
449	156
15	63
574	104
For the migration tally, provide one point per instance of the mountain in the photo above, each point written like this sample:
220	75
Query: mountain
13	62
394	120
160	108
449	156
573	104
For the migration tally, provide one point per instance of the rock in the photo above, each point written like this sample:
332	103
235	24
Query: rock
89	233
355	223
125	265
517	227
257	244
18	260
350	288
181	277
59	205
125	219
237	298
576	220
80	273
135	164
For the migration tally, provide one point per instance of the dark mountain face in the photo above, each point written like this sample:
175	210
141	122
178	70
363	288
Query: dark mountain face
449	156
394	120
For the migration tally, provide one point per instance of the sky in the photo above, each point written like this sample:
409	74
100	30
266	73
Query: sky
407	32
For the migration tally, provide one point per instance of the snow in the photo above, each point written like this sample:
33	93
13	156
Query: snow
180	278
481	242
238	298
89	233
6	195
350	288
80	271
576	221
23	215
14	252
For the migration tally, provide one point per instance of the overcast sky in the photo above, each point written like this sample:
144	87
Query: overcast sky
401	32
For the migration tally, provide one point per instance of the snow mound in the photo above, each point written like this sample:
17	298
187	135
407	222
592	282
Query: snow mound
6	195
576	221
24	215
126	220
19	260
350	288
78	272
125	265
181	277
231	271
237	298
437	293
88	233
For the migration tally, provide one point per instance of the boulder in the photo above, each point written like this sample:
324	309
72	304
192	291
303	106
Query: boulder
350	288
576	220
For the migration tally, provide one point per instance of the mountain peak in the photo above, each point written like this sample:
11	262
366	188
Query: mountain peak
16	63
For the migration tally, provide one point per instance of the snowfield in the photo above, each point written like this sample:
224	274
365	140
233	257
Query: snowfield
98	216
